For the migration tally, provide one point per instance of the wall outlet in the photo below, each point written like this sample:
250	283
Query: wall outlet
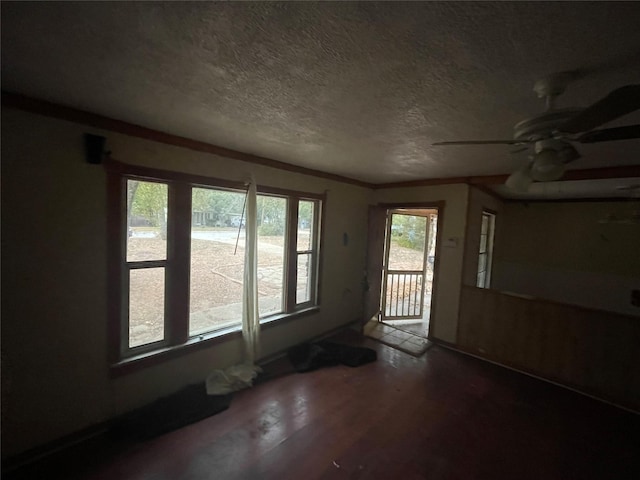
635	298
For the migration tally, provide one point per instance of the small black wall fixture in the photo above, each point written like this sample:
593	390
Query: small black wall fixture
94	148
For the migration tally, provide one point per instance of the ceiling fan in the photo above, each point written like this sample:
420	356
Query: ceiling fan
552	132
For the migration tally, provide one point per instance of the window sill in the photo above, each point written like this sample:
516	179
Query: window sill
147	359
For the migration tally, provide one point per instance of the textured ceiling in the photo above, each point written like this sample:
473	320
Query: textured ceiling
356	89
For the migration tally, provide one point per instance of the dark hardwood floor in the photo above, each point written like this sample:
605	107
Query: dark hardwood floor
442	416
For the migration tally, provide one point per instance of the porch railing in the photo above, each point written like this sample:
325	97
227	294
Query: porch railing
403	294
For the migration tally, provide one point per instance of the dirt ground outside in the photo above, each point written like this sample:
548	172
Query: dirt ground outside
403	291
216	281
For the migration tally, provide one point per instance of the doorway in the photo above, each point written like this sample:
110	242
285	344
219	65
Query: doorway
408	269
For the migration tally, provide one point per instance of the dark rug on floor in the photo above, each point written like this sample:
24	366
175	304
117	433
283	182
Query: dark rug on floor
311	356
186	406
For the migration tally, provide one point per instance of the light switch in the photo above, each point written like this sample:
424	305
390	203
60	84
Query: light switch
451	242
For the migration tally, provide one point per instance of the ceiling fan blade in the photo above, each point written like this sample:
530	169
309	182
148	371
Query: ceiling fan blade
618	103
482	142
611	134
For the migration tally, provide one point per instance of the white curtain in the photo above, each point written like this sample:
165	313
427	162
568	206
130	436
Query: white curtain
240	376
250	315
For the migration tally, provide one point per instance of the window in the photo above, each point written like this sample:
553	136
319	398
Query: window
181	257
305	252
146	261
486	249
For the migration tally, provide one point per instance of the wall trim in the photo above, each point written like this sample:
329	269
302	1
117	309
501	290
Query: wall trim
569	200
625	171
62	112
429	182
487	190
41	107
494	291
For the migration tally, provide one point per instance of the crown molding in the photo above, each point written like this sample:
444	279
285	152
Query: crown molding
41	107
49	109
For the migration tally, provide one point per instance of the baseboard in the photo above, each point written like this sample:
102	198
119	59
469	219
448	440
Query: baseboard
40	452
458	349
317	338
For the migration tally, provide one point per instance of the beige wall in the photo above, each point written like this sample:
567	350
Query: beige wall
561	252
55	377
445	319
478	201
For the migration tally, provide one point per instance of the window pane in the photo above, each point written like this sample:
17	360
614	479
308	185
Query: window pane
485	224
486	247
305	225
146	221
303	288
146	306
216	272
482	262
483	243
272	219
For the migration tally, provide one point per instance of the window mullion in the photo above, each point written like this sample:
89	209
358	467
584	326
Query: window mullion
291	280
116	251
146	264
315	246
179	244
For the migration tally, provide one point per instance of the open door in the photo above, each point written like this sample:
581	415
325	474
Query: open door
400	267
405	264
375	259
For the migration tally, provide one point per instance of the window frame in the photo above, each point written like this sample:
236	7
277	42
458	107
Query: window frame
295	253
128	266
491	217
177	263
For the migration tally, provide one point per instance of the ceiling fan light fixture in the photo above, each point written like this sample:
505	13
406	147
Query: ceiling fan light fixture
520	180
547	166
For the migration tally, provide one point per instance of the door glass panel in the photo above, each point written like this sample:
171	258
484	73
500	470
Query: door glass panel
407	243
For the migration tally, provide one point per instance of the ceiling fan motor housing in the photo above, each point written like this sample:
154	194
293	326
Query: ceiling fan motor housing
543	126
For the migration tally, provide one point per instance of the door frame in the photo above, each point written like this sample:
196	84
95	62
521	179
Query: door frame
439	205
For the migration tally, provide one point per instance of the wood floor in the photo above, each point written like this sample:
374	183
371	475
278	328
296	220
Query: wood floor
441	416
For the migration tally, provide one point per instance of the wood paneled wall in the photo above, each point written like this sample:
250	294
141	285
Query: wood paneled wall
594	351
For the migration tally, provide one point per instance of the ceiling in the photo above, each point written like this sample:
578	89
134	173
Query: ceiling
354	89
